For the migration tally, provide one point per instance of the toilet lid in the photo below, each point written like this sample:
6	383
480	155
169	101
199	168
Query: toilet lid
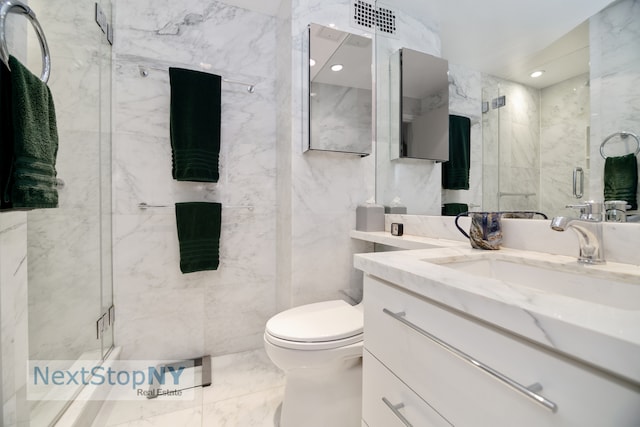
319	322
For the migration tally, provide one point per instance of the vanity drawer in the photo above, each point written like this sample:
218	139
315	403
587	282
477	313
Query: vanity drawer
378	384
467	395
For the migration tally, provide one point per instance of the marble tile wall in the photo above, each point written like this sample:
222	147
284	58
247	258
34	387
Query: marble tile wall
615	83
318	192
284	155
564	142
163	313
14	343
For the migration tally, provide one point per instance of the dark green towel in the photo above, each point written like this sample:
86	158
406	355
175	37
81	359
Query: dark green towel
6	138
455	172
621	179
453	209
32	179
195	124
199	225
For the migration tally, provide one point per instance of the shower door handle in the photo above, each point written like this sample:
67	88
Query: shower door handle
578	172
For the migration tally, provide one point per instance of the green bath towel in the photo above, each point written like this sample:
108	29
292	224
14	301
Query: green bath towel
621	179
455	172
195	124
6	138
199	225
453	209
31	182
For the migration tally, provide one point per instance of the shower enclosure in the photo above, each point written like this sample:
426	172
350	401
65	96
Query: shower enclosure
65	252
535	145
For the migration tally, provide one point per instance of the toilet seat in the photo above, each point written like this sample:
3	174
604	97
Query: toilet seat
319	326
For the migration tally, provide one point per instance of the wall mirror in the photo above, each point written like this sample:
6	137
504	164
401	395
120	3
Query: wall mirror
422	111
340	91
529	148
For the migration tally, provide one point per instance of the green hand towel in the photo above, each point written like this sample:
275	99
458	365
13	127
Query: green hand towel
621	179
199	225
32	183
195	124
455	172
453	209
6	138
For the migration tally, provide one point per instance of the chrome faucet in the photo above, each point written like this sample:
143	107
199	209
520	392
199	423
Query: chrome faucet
588	227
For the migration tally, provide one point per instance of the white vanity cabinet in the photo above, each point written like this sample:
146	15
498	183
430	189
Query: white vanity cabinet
436	366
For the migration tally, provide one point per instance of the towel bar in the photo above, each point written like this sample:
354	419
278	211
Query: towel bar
623	135
144	205
14	6
144	72
502	194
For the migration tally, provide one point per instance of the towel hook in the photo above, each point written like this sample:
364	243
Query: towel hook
14	6
623	135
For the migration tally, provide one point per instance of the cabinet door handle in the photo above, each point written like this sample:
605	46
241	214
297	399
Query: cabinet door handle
396	411
530	392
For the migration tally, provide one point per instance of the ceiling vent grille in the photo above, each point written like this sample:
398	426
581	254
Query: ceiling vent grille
369	17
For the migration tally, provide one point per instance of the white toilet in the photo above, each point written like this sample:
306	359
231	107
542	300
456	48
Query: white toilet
319	347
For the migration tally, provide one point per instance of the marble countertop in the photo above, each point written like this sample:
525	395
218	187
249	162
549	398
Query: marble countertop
604	336
404	242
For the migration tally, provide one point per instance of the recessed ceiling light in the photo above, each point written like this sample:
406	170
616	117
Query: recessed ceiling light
312	62
537	73
336	67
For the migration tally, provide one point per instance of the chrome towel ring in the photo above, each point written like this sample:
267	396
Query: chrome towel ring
14	6
623	135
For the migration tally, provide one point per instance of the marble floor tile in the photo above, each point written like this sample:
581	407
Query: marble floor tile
246	391
185	418
252	410
129	413
241	374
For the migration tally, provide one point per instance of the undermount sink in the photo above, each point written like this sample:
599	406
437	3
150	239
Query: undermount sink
575	281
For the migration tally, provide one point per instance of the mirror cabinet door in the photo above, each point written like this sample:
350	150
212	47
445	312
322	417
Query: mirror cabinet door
423	107
340	91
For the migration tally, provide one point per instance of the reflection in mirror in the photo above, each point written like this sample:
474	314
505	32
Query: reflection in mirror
547	131
423	109
536	131
340	105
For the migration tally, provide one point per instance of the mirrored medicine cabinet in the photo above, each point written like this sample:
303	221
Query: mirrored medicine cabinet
340	91
419	95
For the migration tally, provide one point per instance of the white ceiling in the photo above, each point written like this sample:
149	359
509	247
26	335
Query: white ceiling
505	38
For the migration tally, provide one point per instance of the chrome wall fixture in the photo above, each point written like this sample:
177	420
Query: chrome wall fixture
578	182
144	72
623	135
145	205
14	6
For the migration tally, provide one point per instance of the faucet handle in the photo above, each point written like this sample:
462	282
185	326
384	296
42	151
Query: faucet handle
595	211
590	210
585	209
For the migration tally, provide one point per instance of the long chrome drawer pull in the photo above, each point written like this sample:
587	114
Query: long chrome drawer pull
396	410
511	383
